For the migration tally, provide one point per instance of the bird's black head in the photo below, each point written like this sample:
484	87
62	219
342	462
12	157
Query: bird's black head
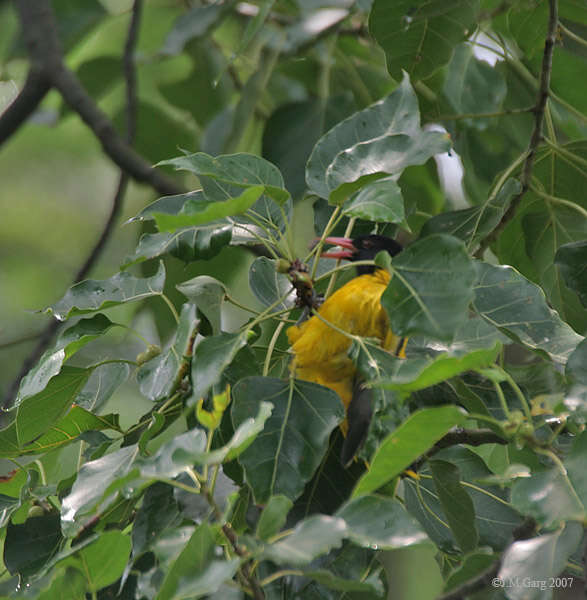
364	247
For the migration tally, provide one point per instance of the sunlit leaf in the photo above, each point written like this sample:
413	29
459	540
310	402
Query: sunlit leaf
382	139
380	201
407	443
518	308
207	294
310	538
381	523
92	295
538	559
218	174
201	211
68	343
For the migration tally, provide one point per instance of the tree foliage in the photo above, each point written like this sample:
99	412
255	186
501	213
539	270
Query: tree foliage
270	122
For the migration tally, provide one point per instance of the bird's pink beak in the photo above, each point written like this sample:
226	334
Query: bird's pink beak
339	241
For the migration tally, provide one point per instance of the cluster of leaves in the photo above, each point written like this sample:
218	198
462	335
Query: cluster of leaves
230	485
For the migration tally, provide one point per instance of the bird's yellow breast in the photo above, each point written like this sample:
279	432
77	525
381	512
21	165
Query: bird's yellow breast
320	351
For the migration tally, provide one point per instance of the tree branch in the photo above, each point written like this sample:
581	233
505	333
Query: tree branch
24	105
39	31
50	330
536	137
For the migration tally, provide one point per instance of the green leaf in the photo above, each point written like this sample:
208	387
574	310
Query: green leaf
431	288
472	85
475	346
103	561
518	309
208	294
472	224
92	295
68	429
68	343
159	376
538	559
273	517
407	443
196	572
380	201
218	174
38	413
28	547
211	357
310	538
473	565
572	262
382	139
91	487
167	205
174	456
421	37
456	503
102	383
548	497
158	512
195	23
201	211
380	522
371	585
267	284
70	584
495	519
190	244
295	437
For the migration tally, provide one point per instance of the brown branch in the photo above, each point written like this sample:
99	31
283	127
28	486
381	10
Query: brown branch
24	105
536	137
39	31
50	330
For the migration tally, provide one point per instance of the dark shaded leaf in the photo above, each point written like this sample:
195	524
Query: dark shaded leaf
456	503
207	294
572	262
295	436
420	37
28	547
268	285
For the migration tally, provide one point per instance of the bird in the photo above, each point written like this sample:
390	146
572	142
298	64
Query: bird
320	350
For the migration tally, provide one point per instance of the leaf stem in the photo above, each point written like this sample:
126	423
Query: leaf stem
278	574
171	307
271	346
518	392
502	399
561	201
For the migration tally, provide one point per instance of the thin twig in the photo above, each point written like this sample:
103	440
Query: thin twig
24	105
536	137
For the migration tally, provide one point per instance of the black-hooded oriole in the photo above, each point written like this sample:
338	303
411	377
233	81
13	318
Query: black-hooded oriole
321	350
